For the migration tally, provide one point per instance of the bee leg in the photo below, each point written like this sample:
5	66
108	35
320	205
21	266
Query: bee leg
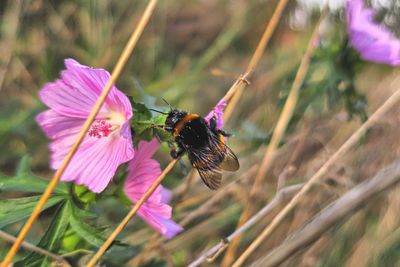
171	144
225	134
176	154
213	126
213	123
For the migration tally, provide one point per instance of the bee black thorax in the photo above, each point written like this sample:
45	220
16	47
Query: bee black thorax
188	130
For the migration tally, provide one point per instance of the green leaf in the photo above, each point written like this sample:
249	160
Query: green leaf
140	109
84	195
26	181
15	209
143	130
52	239
23	167
89	233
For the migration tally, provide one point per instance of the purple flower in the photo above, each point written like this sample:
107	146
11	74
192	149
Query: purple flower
218	112
108	142
374	42
142	172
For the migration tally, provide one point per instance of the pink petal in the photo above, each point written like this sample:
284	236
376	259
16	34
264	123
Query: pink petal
96	161
92	81
77	91
66	100
374	42
56	126
142	172
218	112
140	178
167	227
166	195
147	150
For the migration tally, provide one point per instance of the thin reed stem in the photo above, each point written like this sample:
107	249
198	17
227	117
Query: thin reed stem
262	44
54	181
334	213
28	246
188	182
129	216
353	140
279	131
282	195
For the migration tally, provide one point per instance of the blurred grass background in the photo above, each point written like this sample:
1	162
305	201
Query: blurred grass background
190	54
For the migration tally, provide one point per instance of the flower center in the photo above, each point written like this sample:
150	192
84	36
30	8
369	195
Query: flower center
100	128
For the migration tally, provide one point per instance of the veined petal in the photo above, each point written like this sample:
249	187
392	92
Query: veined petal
56	126
97	160
92	81
67	100
142	172
77	91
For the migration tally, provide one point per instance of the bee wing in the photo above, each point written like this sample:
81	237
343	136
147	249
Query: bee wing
227	159
230	161
206	161
212	178
210	160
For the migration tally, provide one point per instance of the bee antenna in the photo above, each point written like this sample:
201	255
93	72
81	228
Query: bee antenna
158	111
167	103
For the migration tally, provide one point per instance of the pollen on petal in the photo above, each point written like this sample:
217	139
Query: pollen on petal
100	128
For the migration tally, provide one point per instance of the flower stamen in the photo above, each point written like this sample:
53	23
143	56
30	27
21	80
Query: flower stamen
100	128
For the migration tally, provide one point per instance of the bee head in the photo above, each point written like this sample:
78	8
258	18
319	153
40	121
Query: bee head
174	116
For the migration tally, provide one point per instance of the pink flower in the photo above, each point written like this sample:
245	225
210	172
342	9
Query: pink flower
108	142
142	172
374	42
218	112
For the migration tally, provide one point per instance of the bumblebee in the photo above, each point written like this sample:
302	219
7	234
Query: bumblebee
204	144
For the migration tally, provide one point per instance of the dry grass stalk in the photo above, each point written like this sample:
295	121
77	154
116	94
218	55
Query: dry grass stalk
277	136
206	206
269	30
54	181
262	44
333	214
354	138
281	196
11	18
28	246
